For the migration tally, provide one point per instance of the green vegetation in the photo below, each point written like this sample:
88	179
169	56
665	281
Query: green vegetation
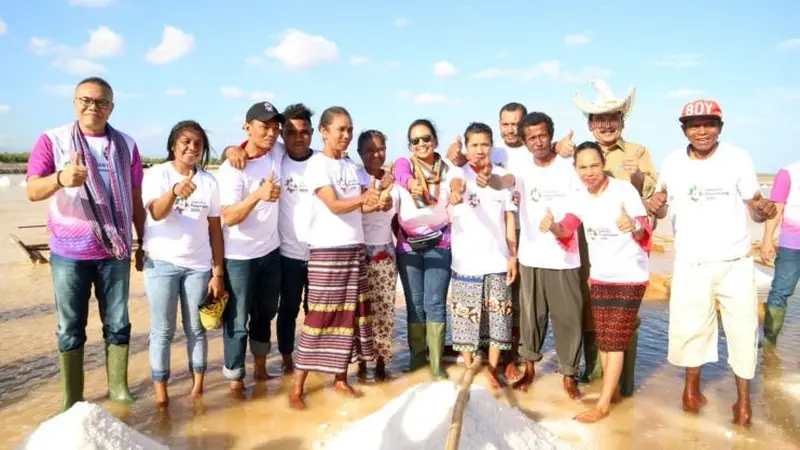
14	158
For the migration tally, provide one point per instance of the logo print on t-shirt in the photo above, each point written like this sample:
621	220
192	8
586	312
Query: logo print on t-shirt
292	185
180	205
695	193
591	233
473	200
535	194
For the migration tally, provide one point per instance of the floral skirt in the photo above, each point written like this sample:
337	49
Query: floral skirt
482	312
381	290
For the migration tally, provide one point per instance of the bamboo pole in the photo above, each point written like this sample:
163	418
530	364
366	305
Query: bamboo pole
454	432
31	253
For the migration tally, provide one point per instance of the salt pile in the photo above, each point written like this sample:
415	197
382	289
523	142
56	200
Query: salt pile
5	182
420	419
87	426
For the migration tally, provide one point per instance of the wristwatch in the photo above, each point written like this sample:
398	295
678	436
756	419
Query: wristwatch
637	226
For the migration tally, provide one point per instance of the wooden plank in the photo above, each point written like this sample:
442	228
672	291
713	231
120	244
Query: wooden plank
33	255
22	227
454	432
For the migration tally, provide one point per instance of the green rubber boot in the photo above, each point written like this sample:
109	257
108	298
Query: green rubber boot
629	365
71	364
773	322
416	345
117	372
435	338
591	357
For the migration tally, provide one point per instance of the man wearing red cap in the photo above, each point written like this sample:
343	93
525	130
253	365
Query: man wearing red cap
709	187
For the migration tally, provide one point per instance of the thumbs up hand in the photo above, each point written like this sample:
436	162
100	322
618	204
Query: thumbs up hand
625	223
547	221
454	151
484	176
388	177
75	173
186	187
269	191
566	146
657	200
458	187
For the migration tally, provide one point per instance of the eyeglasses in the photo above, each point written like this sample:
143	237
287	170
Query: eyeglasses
416	140
99	102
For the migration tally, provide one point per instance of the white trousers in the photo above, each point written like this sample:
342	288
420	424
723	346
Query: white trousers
693	329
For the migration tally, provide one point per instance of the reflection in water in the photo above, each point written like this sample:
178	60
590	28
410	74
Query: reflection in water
30	389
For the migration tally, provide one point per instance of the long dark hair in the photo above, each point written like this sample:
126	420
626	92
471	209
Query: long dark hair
179	128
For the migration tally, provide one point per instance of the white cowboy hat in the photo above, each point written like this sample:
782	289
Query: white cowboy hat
606	102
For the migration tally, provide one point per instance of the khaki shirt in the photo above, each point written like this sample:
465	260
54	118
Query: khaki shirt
623	150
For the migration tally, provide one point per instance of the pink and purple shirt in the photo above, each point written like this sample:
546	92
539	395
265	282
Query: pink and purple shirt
71	233
416	221
788	194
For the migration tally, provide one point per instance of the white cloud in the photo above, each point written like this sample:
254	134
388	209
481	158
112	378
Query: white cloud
682	93
60	90
262	95
79	66
103	42
254	61
681	61
578	39
429	99
5	109
175	92
91	3
444	69
401	22
298	49
231	92
549	70
175	44
42	47
3	27
789	44
356	60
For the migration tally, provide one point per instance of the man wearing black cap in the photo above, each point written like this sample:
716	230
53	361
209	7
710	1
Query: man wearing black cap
249	199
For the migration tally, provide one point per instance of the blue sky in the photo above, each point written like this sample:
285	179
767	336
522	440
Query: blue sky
391	62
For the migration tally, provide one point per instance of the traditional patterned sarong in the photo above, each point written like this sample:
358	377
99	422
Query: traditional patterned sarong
382	284
337	330
481	311
615	308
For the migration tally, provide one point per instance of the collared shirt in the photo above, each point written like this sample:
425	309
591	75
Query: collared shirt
621	150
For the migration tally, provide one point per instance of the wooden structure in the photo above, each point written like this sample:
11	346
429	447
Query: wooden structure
454	432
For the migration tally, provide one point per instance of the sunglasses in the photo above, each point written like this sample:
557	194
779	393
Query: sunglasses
87	102
416	140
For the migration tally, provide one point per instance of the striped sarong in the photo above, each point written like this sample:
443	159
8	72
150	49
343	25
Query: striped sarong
615	308
337	329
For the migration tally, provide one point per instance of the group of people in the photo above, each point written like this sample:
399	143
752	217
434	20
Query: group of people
491	242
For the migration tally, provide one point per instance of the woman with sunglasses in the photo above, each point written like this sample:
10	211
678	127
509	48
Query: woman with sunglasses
184	246
423	244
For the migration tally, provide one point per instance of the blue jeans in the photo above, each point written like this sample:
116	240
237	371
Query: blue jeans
787	273
253	287
72	282
166	285
425	278
294	283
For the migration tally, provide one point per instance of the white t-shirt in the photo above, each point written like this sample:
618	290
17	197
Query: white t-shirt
478	239
378	225
512	160
257	235
615	256
295	209
182	237
326	228
706	203
554	187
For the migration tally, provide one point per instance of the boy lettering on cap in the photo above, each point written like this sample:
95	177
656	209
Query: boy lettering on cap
708	187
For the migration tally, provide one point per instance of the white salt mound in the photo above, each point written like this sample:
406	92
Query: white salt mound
87	426
5	182
420	419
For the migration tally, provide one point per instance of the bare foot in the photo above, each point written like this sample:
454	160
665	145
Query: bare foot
344	388
513	374
692	402
162	397
528	377
197	391
616	398
197	385
260	368
571	387
288	364
494	381
296	400
591	416
742	413
237	386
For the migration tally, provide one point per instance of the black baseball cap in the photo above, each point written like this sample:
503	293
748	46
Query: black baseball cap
263	112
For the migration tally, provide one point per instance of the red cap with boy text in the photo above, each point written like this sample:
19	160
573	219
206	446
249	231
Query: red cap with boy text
701	108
